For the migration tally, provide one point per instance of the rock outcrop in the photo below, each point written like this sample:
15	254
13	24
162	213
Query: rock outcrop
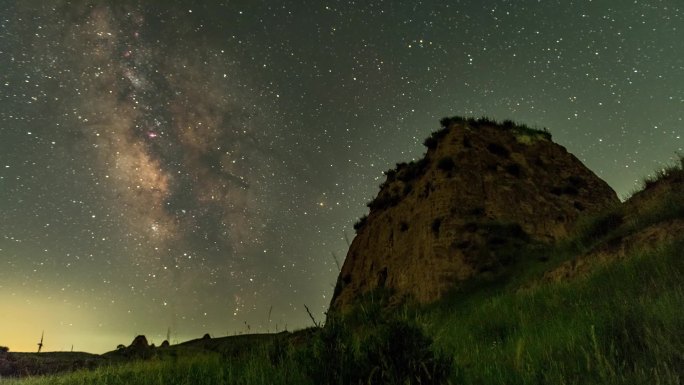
139	348
481	193
139	342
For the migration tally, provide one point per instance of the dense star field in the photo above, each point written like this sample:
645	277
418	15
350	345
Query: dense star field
196	167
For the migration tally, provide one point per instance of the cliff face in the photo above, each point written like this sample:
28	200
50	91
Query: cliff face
481	192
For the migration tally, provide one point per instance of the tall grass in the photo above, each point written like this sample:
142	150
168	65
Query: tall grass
621	325
204	369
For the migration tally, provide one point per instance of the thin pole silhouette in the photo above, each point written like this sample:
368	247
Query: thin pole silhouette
318	325
40	344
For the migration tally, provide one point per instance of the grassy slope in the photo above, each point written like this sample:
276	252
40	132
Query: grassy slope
622	324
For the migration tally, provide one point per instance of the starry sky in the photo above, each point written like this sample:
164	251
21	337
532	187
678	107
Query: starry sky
196	167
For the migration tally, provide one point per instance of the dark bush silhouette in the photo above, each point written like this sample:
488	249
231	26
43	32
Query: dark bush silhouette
385	200
674	172
446	122
391	175
392	352
432	141
407	172
360	223
506	125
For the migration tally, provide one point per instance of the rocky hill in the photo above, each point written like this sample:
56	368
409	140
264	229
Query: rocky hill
482	192
650	219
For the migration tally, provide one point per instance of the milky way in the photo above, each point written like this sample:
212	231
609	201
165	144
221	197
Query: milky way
198	166
177	156
174	136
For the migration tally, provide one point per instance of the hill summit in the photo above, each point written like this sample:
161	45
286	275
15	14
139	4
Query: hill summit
482	192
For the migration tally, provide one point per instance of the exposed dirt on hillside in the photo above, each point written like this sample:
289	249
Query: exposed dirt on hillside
478	196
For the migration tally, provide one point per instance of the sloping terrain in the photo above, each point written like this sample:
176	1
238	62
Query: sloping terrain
648	220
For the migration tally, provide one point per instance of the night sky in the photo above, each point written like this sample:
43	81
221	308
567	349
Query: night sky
198	166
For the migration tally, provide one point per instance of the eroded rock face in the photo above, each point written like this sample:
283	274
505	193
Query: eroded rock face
477	197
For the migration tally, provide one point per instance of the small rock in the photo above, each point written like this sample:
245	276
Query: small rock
139	342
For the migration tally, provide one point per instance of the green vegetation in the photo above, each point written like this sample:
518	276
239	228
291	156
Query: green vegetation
373	348
619	326
620	221
518	129
591	230
673	171
206	368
